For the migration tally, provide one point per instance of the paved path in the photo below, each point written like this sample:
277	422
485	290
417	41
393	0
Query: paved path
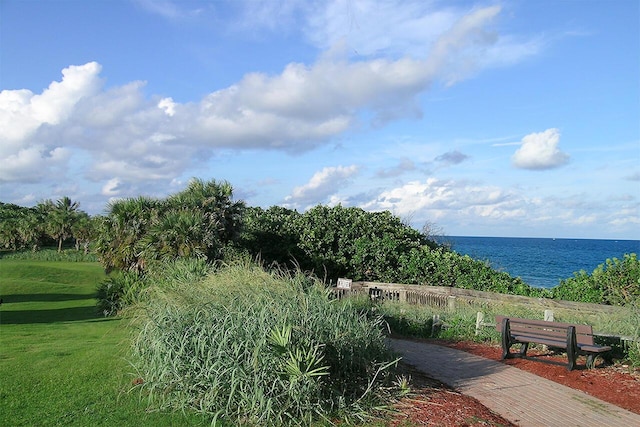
519	396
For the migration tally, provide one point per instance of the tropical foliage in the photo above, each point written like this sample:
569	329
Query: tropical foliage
32	228
204	222
197	222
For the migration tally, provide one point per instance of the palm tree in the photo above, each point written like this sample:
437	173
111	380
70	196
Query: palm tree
30	229
84	230
221	214
196	222
178	233
61	218
120	232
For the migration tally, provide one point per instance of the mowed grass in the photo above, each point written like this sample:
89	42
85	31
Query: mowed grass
61	362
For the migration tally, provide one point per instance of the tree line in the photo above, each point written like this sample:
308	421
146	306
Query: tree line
205	222
46	224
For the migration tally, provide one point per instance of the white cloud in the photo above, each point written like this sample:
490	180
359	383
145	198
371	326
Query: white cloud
26	157
126	134
168	106
112	188
474	207
322	184
31	164
540	151
436	199
22	112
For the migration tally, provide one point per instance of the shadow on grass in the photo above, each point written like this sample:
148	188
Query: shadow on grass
45	297
21	317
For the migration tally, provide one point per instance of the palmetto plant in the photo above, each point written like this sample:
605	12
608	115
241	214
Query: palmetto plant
177	234
121	231
197	222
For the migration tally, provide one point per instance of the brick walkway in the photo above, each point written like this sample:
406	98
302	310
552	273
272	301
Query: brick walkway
519	396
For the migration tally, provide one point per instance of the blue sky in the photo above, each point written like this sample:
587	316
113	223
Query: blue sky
514	118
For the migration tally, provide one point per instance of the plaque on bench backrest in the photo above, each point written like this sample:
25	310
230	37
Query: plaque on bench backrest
343	283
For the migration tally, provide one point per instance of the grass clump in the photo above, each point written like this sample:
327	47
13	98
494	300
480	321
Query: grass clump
255	348
122	289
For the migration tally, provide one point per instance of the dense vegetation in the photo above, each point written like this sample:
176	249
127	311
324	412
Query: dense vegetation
616	282
258	348
349	242
45	224
204	222
195	223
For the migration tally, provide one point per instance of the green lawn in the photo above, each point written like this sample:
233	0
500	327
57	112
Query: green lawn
61	362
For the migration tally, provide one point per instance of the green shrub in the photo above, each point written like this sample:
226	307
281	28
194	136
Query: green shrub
633	347
258	348
117	291
616	282
443	267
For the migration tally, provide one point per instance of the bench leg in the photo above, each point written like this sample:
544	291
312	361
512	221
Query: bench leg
523	349
591	360
506	338
572	348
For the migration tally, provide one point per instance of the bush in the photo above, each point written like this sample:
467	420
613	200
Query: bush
616	282
443	267
258	348
118	290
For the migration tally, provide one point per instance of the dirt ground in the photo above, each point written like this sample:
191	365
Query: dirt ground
434	404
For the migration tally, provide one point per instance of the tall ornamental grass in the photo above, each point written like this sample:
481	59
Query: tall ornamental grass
255	348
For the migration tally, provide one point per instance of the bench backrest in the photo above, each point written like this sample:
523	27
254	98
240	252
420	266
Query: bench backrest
542	328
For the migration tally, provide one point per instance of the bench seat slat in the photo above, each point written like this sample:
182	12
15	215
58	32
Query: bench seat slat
545	332
538	340
594	348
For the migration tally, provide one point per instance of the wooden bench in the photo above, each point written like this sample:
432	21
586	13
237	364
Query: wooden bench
575	339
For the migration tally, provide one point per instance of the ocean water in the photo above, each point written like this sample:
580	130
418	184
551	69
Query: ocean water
542	262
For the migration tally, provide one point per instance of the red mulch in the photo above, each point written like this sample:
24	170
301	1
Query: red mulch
435	404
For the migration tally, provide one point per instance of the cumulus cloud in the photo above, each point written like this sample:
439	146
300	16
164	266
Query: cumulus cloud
434	199
322	185
467	205
25	156
22	112
540	151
